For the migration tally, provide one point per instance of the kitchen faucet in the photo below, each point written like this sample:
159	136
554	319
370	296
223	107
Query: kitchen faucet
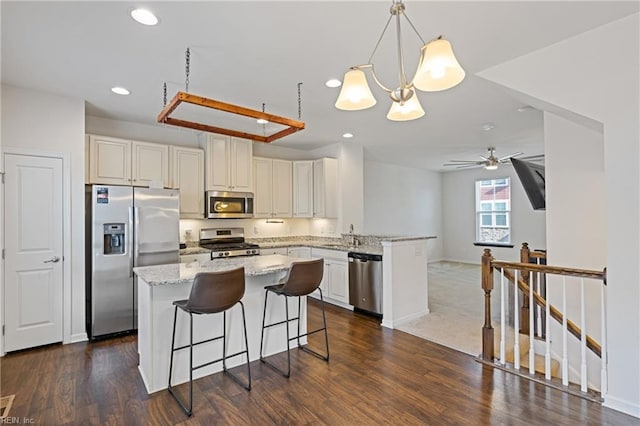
351	236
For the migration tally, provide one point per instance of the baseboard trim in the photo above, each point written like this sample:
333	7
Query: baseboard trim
76	338
622	405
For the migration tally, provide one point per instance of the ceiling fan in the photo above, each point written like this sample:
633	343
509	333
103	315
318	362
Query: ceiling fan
489	162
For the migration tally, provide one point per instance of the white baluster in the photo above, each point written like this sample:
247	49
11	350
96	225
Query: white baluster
538	276
502	319
532	354
516	326
547	319
565	361
603	326
583	341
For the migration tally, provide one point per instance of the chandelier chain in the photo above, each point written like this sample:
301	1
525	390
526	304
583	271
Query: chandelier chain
164	99
187	60
299	101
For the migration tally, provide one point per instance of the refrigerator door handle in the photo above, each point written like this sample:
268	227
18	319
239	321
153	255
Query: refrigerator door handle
130	242
136	242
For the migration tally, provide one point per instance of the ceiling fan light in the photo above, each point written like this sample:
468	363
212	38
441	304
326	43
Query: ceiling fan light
409	110
491	167
438	68
355	93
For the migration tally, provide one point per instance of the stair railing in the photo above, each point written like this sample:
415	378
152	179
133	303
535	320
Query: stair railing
520	274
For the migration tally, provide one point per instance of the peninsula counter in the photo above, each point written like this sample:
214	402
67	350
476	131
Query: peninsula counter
159	286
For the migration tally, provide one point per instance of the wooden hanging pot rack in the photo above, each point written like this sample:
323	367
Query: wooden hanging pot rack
180	97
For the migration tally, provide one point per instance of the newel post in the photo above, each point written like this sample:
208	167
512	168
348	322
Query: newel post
487	286
524	311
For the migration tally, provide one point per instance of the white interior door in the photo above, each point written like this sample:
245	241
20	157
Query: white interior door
33	279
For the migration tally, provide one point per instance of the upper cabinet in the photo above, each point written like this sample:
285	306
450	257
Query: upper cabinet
114	161
228	163
187	175
272	187
303	189
325	182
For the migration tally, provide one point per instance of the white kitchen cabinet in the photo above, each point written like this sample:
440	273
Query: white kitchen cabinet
114	161
303	252
228	163
274	250
187	175
303	189
200	257
335	280
272	187
325	183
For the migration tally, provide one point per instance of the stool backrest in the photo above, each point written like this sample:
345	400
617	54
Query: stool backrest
304	277
216	291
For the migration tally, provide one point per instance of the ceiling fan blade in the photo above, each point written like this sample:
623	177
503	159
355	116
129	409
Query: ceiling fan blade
469	166
506	157
463	161
533	157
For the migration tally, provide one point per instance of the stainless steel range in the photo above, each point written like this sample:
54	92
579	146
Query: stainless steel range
227	242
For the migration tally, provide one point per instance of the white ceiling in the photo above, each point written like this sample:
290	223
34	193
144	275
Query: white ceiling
249	53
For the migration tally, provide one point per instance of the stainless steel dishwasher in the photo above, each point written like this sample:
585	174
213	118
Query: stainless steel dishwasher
365	281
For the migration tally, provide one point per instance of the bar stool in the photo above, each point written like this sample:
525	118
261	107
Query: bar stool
304	278
212	292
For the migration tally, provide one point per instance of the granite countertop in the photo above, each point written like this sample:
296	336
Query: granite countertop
183	273
372	244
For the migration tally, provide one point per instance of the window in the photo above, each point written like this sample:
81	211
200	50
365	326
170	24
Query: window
493	211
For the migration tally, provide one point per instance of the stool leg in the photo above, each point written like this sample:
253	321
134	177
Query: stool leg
326	336
224	341
188	411
264	313
286	311
246	345
298	339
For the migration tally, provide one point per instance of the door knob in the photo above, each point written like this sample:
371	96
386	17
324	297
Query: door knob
54	259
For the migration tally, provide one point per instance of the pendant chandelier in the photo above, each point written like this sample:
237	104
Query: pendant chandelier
438	70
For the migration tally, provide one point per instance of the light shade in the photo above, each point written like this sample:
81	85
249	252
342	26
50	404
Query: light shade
409	111
438	68
355	93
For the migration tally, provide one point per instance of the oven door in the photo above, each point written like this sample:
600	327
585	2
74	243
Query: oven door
229	205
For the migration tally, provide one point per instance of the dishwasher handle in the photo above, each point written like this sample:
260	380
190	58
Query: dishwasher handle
363	257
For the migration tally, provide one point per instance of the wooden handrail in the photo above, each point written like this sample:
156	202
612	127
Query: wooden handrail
555	313
558	270
488	264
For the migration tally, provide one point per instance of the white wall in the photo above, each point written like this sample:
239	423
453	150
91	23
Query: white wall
403	201
585	76
41	122
459	220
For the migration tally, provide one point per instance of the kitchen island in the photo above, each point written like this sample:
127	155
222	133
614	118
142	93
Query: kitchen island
159	286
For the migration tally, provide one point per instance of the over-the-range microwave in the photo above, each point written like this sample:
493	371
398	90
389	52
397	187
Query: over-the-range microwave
229	205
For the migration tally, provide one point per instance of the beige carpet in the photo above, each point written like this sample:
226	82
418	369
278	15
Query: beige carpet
456	304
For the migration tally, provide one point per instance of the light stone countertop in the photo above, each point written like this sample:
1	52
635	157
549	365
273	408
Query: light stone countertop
182	273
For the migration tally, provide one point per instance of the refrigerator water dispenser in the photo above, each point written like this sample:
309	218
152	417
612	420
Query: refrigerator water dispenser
114	238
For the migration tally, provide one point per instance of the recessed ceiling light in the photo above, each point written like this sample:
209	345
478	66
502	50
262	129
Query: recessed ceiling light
487	126
262	121
334	82
120	90
144	17
347	135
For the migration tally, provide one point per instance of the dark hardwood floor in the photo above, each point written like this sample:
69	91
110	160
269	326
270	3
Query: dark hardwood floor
375	376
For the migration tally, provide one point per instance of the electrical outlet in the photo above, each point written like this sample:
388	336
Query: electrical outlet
255	230
418	251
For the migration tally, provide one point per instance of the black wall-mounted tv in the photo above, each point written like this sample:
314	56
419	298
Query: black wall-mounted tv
532	178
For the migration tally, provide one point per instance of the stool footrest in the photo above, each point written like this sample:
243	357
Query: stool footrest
220	359
280	322
198	343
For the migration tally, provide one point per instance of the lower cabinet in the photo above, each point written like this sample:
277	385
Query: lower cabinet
335	281
275	250
303	252
201	257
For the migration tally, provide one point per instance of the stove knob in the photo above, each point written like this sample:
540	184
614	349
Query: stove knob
254	251
226	253
220	254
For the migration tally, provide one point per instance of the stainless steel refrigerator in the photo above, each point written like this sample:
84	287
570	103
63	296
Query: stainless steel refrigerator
125	227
